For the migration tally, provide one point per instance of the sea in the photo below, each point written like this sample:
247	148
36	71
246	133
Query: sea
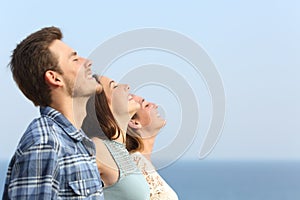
226	180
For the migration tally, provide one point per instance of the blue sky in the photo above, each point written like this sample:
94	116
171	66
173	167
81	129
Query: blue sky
253	44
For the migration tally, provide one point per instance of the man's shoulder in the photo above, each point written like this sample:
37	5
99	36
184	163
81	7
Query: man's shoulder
41	131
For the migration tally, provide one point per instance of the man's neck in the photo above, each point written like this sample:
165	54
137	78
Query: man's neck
74	109
79	110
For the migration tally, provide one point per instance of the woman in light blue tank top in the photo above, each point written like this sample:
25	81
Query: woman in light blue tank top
121	178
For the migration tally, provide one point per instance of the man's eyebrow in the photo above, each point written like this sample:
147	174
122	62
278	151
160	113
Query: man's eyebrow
73	53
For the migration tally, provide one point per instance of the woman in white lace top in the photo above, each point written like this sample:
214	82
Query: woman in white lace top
141	133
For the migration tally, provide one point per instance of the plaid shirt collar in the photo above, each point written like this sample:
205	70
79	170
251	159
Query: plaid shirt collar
63	122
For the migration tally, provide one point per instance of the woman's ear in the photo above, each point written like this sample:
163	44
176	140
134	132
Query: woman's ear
52	78
135	124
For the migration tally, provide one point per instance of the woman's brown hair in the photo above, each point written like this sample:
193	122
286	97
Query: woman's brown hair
105	117
134	141
97	107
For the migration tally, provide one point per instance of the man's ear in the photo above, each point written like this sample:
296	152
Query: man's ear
135	124
53	78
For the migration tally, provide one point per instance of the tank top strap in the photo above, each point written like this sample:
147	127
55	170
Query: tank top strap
121	156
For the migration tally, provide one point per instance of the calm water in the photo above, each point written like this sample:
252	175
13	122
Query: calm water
216	180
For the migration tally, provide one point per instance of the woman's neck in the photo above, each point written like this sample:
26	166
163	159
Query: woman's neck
123	124
148	142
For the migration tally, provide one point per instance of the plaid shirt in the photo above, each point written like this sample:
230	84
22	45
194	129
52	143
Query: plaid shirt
53	160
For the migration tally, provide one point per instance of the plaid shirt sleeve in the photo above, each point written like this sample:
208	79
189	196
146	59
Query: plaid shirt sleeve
33	174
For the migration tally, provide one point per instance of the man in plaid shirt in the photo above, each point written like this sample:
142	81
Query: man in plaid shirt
54	158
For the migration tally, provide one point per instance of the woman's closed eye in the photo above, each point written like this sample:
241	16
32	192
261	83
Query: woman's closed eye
146	104
115	86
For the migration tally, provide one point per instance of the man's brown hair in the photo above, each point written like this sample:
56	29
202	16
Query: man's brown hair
30	61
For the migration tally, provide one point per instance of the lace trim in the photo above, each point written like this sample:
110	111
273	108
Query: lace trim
159	189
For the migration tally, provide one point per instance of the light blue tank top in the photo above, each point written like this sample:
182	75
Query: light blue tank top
131	184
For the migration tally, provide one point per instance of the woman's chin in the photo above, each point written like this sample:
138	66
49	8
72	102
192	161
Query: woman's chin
133	110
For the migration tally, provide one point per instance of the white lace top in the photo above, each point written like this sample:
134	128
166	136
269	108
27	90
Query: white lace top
159	189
